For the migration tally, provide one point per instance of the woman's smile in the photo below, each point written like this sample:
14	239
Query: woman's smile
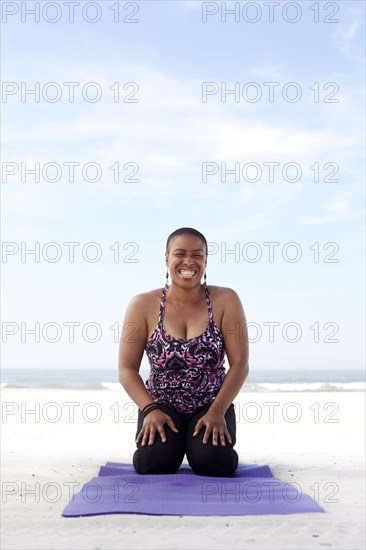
187	273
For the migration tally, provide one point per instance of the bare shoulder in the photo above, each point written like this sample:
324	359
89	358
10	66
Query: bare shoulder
227	306
226	302
148	295
146	300
223	294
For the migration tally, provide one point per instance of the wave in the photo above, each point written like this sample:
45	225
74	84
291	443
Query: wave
111	386
305	387
283	387
255	386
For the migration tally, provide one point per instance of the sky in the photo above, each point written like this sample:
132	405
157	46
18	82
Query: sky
244	120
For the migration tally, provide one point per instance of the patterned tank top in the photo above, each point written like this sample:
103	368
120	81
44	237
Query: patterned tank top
185	374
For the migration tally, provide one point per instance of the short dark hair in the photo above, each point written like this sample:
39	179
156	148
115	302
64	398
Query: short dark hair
184	231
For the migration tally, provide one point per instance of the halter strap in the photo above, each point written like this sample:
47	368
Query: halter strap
162	305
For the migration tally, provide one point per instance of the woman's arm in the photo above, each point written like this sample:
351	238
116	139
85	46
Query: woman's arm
131	350
234	329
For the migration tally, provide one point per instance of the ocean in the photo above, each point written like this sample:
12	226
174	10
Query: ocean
257	381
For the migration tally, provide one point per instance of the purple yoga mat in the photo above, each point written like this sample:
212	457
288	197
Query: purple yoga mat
252	490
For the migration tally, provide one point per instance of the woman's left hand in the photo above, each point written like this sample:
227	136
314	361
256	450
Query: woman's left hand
215	423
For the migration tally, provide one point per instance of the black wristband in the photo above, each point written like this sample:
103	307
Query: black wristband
148	409
146	412
148	406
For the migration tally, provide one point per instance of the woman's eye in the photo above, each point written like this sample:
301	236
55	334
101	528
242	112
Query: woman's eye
197	257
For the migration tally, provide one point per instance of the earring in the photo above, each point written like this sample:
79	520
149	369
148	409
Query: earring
166	278
204	280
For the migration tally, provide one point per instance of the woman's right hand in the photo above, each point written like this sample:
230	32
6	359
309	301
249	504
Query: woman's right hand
154	422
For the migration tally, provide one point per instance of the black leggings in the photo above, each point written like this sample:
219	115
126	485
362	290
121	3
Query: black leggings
205	459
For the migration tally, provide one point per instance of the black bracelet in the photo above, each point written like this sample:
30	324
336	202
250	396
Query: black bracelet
146	412
148	406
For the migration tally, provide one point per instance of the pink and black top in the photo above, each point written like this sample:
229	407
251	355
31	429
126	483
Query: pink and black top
185	374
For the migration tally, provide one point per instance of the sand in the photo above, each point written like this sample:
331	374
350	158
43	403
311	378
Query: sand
313	439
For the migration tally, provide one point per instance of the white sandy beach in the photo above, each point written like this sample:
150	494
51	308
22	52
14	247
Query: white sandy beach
44	453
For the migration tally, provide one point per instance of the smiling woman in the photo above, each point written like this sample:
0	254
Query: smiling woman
186	329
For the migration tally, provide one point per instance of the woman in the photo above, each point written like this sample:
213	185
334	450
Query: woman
186	405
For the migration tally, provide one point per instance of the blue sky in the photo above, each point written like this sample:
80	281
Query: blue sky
168	134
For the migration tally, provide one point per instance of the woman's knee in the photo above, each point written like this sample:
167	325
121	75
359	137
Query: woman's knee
161	457
153	460
211	460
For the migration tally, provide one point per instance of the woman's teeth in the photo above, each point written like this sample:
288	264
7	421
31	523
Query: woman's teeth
187	273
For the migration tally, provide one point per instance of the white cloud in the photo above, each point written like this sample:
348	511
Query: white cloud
347	38
337	209
39	202
169	133
186	7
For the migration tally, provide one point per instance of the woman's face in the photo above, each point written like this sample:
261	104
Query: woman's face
186	260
